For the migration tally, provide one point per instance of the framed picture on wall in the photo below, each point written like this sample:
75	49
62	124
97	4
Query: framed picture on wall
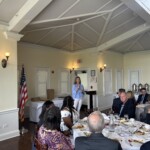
92	73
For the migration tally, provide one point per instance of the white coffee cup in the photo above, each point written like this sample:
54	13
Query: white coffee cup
147	127
132	120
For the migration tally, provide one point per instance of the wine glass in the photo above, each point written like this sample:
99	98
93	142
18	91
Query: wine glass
116	116
126	117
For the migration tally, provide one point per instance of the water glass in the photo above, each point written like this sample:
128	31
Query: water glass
126	117
116	116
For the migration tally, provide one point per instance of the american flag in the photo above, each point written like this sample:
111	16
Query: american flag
23	96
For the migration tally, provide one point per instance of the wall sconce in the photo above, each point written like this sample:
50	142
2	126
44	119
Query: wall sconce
4	61
71	70
104	67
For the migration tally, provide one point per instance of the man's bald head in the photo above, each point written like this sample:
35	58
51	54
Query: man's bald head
96	122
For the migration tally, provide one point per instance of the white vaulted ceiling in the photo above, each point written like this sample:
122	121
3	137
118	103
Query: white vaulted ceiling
72	25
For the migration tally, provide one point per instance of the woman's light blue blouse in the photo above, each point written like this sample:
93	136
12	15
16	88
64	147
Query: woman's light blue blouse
77	94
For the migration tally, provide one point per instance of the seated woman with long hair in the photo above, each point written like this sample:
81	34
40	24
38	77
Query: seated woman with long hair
130	96
68	115
48	104
49	133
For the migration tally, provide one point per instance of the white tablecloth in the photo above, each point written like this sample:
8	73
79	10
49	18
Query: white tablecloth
58	102
123	139
36	107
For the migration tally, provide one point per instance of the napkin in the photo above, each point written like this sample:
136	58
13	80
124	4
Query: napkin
105	117
84	119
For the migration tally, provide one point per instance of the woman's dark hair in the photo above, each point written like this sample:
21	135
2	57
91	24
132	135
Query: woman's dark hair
68	103
75	80
52	119
45	106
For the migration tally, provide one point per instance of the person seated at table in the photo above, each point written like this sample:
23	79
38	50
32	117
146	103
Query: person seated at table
143	97
145	146
68	115
48	104
117	102
127	107
49	133
96	140
130	95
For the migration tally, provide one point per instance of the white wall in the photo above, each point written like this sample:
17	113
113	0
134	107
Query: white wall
38	56
8	75
8	89
137	61
8	124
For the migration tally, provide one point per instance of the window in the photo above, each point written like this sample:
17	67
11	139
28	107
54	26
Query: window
64	82
42	82
134	77
107	81
118	79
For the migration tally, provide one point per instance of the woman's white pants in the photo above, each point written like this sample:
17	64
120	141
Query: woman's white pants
78	104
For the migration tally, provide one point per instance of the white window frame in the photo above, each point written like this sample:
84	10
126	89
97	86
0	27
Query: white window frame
47	69
67	82
107	70
119	71
129	77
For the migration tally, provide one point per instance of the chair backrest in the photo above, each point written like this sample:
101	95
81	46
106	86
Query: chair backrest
39	145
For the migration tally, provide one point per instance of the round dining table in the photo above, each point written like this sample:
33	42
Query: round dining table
130	134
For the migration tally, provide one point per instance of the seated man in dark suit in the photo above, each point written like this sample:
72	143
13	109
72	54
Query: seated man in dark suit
143	97
117	102
145	146
127	107
96	140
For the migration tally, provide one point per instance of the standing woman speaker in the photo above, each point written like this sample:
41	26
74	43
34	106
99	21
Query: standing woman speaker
77	93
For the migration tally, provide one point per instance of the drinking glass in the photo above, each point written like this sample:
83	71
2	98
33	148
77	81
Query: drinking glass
116	116
126	117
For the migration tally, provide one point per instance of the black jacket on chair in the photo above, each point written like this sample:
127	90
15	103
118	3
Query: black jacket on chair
140	98
96	142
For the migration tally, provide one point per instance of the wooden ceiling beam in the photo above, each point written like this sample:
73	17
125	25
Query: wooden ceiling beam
138	9
71	17
25	15
129	34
